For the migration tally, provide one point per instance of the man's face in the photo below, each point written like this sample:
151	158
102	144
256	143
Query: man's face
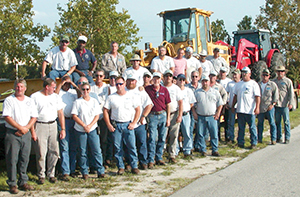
112	80
120	85
236	77
162	51
205	84
246	76
99	76
64	44
180	54
81	44
216	53
51	88
202	58
213	78
130	84
195	77
280	73
156	81
114	47
188	55
81	81
168	78
20	89
146	78
222	74
135	63
180	82
265	77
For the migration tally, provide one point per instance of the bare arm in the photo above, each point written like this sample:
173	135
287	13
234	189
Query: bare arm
180	111
44	65
21	130
195	115
233	103
61	119
107	120
257	101
168	115
200	70
135	119
145	113
218	112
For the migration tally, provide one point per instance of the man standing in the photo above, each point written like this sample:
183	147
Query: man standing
84	56
62	58
162	62
147	78
284	104
206	65
192	63
247	96
123	107
218	61
223	79
113	61
176	111
20	114
49	107
159	120
136	70
207	111
180	63
269	97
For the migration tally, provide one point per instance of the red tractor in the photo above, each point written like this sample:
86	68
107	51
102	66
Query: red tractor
253	48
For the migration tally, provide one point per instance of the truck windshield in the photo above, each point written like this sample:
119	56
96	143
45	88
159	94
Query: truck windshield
250	37
176	26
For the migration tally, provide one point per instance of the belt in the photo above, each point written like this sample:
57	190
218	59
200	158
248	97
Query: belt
157	112
50	122
206	115
68	118
185	113
122	122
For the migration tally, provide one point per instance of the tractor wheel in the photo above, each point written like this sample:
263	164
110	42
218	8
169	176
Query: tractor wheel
230	75
257	69
276	60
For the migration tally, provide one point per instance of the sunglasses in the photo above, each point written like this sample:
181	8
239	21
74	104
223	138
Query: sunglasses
265	75
280	71
119	84
147	76
168	76
112	77
99	75
181	79
85	89
82	82
194	76
65	42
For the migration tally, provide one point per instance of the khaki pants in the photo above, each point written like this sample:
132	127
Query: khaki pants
46	145
173	131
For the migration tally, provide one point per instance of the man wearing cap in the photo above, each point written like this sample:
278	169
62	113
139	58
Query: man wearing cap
112	82
180	63
192	63
136	70
84	56
247	96
187	103
162	62
232	112
269	97
284	104
223	79
147	78
206	65
113	61
207	111
176	112
62	58
159	120
218	61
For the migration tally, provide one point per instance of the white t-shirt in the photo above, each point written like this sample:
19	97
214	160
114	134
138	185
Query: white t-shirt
68	98
192	65
86	112
175	96
207	67
137	73
112	89
162	65
61	60
102	94
246	92
122	107
229	90
47	106
225	81
188	99
19	111
218	63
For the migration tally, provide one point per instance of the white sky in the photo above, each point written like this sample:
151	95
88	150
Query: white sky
144	13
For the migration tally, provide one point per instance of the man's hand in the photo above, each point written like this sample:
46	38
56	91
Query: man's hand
290	106
226	106
270	107
62	134
142	120
18	133
111	128
33	135
87	128
256	111
131	126
168	122
81	74
179	119
217	116
90	73
43	76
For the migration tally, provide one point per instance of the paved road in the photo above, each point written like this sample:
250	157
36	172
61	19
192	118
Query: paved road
272	171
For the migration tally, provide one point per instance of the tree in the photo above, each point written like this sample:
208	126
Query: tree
99	21
246	23
219	31
19	35
281	17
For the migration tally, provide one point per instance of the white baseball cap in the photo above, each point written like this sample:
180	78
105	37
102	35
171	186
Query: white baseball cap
83	38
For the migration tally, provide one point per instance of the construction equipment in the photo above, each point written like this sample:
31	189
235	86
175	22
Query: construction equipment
183	28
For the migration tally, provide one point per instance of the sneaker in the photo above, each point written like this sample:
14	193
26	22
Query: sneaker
101	176
172	160
52	179
41	181
216	154
135	171
204	154
85	177
13	189
161	162
151	165
287	141
26	187
65	178
273	142
121	171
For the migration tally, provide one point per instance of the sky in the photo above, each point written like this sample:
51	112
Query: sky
144	13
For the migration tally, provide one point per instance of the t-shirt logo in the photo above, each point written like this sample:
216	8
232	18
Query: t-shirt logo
86	56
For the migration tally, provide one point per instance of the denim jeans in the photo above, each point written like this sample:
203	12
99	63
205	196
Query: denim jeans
123	136
260	125
207	123
157	136
90	139
68	148
76	76
187	138
283	112
106	140
192	127
231	121
141	143
57	74
242	120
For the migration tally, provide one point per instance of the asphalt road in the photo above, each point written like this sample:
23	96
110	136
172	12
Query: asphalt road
272	171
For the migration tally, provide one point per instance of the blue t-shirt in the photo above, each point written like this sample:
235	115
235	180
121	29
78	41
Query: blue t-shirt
83	61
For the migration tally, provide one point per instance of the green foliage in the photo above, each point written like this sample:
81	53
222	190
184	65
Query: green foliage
100	22
246	23
219	31
281	17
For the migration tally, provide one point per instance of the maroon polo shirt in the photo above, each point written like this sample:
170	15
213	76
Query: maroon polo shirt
159	100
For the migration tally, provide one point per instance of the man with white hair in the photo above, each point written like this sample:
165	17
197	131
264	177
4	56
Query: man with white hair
205	64
84	56
192	63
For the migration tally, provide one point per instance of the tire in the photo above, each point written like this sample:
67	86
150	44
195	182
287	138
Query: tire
257	69
230	75
276	60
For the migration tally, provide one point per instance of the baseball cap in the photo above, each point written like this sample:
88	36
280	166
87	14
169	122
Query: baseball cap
216	49
135	57
131	76
156	74
213	72
266	71
189	49
236	71
168	72
246	70
223	68
205	77
203	53
113	73
83	38
280	68
181	76
147	73
65	37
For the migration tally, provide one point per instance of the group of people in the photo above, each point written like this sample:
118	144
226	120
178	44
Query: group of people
138	115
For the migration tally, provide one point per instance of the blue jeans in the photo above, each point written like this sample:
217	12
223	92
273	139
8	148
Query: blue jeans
68	148
90	139
141	143
260	125
208	123
76	76
57	74
157	136
231	121
242	120
187	138
283	112
123	135
192	127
